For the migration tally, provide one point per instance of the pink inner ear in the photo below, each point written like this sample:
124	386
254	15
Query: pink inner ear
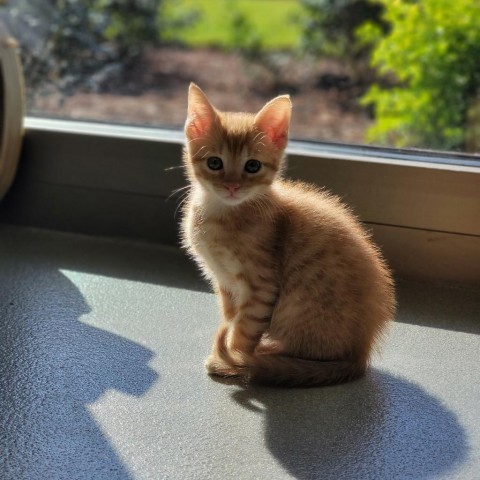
278	136
198	126
274	120
201	114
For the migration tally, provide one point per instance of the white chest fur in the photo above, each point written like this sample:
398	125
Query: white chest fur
214	246
219	261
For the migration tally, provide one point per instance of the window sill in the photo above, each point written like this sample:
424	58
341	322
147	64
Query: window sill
117	374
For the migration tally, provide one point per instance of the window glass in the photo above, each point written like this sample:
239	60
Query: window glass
401	73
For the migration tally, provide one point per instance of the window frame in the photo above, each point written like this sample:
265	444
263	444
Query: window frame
12	109
423	208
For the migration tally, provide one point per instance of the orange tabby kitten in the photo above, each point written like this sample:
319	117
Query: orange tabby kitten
304	293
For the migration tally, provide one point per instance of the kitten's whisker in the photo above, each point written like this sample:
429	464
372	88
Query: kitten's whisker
258	149
257	135
184	199
173	168
181	188
178	190
258	143
199	150
195	139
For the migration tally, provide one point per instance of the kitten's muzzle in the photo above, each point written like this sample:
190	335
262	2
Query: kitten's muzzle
232	188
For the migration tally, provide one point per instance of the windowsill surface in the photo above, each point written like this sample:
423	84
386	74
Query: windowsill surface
102	372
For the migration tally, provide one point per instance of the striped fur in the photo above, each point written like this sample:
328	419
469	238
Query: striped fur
305	295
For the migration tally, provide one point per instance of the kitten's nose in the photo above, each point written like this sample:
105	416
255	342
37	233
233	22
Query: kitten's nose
232	187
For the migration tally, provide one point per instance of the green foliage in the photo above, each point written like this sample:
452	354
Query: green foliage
432	51
329	26
243	34
272	21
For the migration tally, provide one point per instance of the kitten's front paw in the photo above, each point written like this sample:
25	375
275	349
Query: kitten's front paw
216	366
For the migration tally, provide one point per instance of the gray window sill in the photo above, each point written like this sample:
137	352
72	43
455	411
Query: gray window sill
101	362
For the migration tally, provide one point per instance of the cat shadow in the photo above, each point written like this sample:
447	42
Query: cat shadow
378	427
53	367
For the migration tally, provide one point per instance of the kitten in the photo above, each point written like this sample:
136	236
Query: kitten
304	293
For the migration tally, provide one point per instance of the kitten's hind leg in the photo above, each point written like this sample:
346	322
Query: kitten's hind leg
269	346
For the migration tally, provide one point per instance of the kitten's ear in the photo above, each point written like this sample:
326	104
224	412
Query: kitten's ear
274	119
201	113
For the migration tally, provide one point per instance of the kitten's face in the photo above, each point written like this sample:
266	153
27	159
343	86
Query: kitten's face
233	163
235	156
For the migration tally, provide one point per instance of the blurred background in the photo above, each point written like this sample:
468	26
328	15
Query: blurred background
402	73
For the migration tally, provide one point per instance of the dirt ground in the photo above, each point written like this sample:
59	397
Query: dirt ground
154	92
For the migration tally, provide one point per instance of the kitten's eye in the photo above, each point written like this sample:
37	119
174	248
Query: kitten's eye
253	166
214	163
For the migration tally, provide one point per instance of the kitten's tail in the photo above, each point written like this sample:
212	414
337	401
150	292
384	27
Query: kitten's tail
286	371
298	372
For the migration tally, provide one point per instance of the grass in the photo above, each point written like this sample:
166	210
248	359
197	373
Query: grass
274	22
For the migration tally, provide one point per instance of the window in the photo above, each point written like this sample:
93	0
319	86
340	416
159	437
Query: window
400	74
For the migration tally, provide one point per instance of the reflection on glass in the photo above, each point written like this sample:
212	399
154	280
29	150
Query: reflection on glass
401	73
